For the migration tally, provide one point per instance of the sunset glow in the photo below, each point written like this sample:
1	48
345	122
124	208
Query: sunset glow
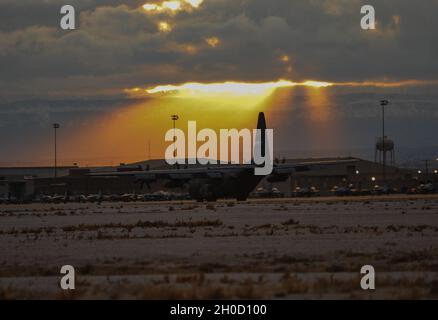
213	41
388	84
151	7
236	88
285	58
172	6
164	26
194	3
229	87
254	88
316	84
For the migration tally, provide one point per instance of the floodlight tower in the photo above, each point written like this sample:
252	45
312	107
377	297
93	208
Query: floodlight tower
55	127
174	118
383	104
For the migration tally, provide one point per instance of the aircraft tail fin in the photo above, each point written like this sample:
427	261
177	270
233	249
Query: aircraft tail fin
261	125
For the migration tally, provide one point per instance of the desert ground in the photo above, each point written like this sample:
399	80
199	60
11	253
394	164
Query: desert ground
281	249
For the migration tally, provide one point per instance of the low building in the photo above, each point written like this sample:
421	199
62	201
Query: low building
359	174
17	189
18	183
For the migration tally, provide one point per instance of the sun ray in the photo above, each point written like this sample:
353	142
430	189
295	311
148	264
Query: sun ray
228	87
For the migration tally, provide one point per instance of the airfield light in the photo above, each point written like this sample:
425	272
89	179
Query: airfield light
174	118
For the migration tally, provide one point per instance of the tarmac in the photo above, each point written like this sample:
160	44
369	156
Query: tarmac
311	248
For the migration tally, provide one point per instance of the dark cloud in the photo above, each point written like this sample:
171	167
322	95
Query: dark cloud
118	44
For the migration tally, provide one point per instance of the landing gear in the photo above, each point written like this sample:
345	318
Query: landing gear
206	193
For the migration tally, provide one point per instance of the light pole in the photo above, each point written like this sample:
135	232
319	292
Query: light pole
55	127
426	162
436	170
174	118
427	167
383	104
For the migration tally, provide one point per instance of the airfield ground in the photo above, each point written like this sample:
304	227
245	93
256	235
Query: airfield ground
282	249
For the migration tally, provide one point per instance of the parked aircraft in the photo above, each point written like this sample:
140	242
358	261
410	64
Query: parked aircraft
213	182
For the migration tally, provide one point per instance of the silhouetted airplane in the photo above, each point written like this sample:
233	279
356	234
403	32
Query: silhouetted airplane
225	180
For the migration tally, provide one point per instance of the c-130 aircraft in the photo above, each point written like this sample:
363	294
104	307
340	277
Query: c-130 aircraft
224	181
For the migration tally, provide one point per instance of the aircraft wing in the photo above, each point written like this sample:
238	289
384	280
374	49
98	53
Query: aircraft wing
181	174
281	172
191	173
220	181
219	171
287	168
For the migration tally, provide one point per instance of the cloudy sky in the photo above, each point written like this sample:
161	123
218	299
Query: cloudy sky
88	78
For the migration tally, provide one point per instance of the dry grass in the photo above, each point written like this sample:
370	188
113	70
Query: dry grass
202	286
144	224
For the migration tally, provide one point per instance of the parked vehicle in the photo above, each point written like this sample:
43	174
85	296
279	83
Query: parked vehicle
305	192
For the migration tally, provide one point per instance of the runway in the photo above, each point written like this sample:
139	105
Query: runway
280	248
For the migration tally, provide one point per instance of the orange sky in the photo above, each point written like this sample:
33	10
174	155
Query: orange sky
135	131
124	135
